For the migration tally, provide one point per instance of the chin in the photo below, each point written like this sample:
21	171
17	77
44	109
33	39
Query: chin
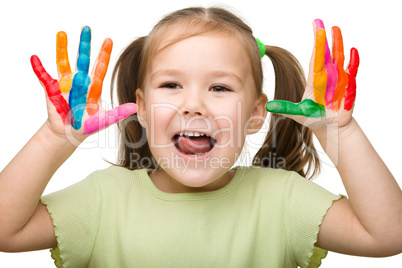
199	178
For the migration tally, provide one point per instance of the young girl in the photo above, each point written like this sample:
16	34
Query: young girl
174	199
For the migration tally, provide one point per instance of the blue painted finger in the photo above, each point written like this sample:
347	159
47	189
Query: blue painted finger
81	80
84	50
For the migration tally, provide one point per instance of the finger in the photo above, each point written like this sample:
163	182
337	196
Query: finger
63	64
52	90
81	80
330	69
339	59
350	95
307	107
50	84
354	62
103	119
320	76
99	75
78	97
84	50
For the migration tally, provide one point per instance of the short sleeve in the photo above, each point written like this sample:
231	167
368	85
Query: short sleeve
76	213
305	204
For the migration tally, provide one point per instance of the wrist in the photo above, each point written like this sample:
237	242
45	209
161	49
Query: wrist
335	139
51	141
334	131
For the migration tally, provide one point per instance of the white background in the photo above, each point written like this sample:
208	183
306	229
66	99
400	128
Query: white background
30	27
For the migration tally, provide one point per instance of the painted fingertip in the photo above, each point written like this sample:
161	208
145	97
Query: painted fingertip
127	109
34	60
275	107
61	38
319	24
354	62
86	34
107	45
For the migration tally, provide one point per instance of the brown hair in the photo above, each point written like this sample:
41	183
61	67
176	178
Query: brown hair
285	139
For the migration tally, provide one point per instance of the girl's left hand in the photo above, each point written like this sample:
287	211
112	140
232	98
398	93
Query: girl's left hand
330	91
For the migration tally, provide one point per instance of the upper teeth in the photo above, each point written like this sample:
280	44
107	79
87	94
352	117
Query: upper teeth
191	134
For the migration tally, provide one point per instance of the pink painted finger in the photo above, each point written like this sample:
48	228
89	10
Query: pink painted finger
53	90
330	68
350	95
103	119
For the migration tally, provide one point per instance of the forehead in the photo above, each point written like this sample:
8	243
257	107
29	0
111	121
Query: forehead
215	52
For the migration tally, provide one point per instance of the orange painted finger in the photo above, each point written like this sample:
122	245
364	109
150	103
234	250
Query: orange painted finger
98	76
63	63
320	76
339	59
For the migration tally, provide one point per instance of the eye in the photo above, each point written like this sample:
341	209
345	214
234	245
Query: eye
219	89
170	85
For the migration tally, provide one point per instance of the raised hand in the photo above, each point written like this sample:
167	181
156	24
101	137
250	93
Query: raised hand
82	111
328	85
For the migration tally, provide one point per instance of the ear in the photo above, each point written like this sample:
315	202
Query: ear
141	111
258	116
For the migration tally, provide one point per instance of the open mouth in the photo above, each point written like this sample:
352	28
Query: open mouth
193	143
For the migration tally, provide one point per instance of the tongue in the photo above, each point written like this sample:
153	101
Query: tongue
194	145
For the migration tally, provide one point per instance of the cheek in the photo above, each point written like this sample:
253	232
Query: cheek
159	116
232	123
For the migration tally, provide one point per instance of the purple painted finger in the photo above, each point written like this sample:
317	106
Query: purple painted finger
103	119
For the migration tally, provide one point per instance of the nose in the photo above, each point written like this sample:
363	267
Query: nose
194	103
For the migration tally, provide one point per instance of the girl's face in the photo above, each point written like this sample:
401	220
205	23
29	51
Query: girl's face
198	104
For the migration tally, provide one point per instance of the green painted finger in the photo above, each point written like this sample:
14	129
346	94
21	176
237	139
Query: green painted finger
307	107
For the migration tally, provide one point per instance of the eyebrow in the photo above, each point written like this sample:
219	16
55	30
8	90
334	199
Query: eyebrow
213	74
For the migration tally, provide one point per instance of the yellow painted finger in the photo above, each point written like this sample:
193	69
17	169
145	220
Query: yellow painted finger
63	64
320	76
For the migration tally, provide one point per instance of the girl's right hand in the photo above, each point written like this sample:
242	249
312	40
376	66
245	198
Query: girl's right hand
73	101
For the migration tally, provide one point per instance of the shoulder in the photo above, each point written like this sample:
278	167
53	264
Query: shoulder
117	177
278	180
116	173
267	181
266	175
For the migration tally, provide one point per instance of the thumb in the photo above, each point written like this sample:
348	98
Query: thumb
103	119
307	108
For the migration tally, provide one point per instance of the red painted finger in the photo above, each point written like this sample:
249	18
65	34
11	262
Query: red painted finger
53	90
352	72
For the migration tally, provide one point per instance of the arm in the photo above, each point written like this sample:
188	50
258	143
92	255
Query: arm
369	222
74	112
24	221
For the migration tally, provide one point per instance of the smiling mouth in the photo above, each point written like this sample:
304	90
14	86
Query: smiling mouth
193	143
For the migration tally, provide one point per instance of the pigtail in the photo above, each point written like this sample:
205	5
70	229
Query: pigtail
133	144
288	144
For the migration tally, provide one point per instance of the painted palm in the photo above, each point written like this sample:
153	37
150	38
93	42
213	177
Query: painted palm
329	86
76	96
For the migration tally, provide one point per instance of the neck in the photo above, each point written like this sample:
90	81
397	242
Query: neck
164	182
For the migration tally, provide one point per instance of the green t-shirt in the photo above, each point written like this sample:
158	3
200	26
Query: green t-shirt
118	218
